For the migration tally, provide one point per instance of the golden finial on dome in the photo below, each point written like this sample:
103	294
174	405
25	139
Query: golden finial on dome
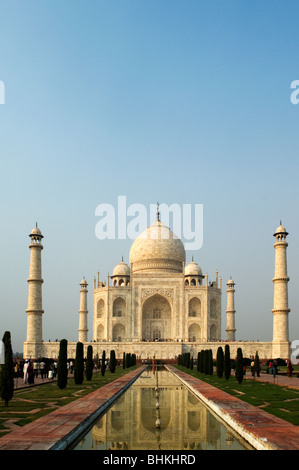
158	213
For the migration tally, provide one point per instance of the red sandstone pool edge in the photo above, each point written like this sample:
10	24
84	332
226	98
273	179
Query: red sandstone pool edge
260	429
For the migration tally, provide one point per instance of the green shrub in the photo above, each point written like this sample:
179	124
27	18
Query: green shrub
220	362
239	366
210	362
79	364
112	362
89	363
62	370
227	362
7	370
103	363
198	362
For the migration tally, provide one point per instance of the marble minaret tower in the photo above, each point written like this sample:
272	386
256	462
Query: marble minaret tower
83	330
33	345
280	302
230	312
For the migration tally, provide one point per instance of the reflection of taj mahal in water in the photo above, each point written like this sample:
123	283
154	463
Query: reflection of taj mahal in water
158	306
184	422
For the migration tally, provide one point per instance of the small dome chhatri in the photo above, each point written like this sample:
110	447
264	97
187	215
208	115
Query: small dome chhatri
36	232
280	230
192	269
121	269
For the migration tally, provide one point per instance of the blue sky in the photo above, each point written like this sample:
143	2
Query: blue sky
170	101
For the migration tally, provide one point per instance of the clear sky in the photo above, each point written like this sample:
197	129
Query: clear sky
183	102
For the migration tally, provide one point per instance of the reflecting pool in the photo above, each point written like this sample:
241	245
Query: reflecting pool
158	412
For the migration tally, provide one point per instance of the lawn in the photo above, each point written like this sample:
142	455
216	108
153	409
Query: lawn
31	403
282	402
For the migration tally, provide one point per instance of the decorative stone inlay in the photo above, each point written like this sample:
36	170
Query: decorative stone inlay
149	292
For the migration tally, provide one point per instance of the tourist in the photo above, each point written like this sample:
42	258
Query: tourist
290	369
51	372
30	373
274	369
55	366
42	369
252	368
35	369
25	371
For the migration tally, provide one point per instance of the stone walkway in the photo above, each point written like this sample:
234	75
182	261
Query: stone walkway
281	380
58	429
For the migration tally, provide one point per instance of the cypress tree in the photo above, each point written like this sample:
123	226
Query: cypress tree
206	362
62	365
128	360
103	365
202	361
79	364
124	360
198	362
239	366
227	365
7	370
112	361
89	363
188	360
210	362
220	362
191	362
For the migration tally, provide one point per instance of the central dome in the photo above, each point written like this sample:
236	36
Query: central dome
157	249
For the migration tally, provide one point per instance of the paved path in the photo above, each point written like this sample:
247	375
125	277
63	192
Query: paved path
19	382
282	380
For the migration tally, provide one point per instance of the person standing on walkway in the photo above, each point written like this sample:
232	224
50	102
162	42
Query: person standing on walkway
290	369
30	373
274	369
25	371
35	369
252	369
42	369
55	365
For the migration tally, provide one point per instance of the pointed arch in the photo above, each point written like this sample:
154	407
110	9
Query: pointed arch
156	318
194	332
118	332
100	308
194	307
119	307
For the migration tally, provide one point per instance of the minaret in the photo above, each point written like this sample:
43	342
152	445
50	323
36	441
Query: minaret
280	303
32	347
83	330
230	312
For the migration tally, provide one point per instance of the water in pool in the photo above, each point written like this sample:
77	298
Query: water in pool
159	413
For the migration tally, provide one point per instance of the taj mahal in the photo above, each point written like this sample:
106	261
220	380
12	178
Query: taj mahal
158	306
